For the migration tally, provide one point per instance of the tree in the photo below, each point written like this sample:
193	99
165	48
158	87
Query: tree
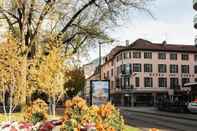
74	22
48	74
11	74
75	83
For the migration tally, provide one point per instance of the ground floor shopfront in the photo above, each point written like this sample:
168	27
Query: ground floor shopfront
138	98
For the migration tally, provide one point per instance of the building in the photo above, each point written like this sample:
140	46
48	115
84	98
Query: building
89	69
91	72
143	71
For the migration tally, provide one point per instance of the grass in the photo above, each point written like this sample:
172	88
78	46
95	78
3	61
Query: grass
19	117
129	128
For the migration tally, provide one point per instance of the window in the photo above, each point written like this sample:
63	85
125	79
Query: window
117	83
184	56
112	72
195	57
112	63
120	56
162	55
118	70
148	82
137	82
195	69
147	67
125	68
136	54
173	56
195	79
162	68
185	68
184	81
129	54
128	68
173	68
174	83
147	55
162	82
136	67
126	82
126	55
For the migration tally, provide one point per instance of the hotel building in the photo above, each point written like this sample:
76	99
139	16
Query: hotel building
142	71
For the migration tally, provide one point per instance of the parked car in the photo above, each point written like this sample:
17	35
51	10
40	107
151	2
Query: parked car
192	107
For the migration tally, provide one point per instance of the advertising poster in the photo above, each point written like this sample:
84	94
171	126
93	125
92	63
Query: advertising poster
99	92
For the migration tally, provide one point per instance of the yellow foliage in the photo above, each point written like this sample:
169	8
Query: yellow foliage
49	73
38	106
11	72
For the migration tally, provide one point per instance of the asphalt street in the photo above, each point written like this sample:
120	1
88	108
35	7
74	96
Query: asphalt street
146	120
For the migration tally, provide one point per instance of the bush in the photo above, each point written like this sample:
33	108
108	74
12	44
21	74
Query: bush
36	112
78	115
39	95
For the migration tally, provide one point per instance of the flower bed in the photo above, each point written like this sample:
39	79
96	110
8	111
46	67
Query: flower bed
78	116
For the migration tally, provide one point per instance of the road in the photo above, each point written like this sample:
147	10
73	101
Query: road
146	120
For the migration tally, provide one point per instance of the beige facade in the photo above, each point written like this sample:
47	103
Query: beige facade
136	69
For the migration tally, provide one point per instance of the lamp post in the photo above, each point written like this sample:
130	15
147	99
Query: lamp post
100	60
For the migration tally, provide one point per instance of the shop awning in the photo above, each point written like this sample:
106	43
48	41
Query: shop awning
191	84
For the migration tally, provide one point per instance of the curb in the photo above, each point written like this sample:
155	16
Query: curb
161	114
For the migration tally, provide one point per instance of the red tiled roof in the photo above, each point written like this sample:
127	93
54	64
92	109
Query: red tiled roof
142	44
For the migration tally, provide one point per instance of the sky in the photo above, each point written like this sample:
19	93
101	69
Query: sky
173	22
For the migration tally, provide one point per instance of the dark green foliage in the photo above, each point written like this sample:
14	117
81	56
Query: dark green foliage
76	82
39	94
37	117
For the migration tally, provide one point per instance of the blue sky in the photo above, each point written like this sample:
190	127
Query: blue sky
173	22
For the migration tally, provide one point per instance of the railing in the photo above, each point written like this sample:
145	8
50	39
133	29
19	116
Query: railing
195	4
195	21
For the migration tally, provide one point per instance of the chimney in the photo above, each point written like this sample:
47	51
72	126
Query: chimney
127	42
164	42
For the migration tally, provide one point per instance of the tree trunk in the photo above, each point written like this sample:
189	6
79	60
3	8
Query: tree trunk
53	106
4	105
10	105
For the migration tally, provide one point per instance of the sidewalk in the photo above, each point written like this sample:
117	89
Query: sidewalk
154	111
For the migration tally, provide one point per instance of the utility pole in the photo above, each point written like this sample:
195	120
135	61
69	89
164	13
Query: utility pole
100	60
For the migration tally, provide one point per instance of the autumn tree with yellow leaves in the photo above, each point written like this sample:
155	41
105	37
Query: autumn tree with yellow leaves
48	73
11	74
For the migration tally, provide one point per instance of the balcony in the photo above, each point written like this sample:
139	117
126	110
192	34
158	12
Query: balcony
195	21
195	4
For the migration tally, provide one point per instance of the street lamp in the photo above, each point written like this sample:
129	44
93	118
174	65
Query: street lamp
100	58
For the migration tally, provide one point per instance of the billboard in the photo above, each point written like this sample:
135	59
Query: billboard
99	92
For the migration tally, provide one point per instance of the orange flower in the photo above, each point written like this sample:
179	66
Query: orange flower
68	104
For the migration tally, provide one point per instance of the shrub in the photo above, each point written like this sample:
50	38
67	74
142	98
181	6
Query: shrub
38	94
36	112
78	115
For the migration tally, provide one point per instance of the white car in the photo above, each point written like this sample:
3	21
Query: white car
192	107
